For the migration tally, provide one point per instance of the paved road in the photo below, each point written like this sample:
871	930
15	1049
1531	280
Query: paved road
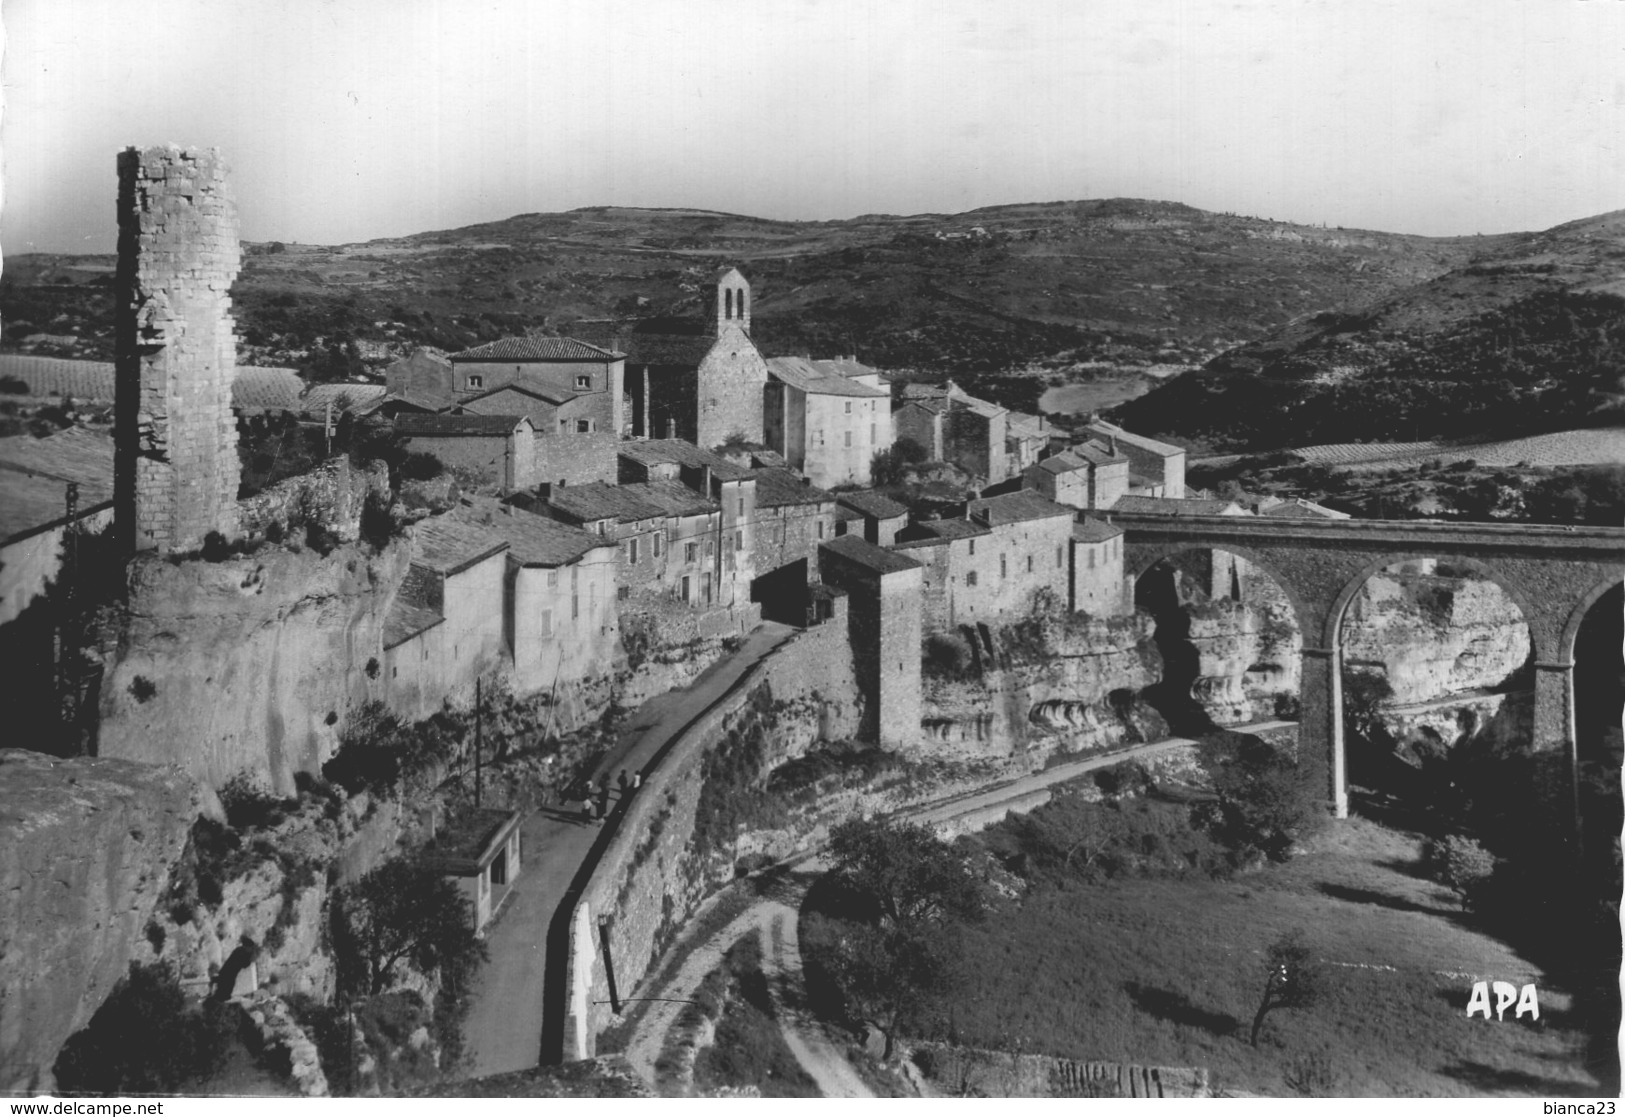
504	1027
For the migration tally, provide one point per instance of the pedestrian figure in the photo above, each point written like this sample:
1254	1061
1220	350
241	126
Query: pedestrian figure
603	799
637	779
624	782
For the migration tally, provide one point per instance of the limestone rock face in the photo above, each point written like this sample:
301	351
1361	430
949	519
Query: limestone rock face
1048	683
1432	635
247	665
86	848
1248	652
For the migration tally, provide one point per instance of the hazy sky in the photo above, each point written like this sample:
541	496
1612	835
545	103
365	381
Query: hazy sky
344	120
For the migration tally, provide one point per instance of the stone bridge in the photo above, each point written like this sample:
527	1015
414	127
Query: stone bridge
1555	574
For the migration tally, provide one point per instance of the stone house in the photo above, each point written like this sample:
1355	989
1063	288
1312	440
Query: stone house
1098	586
667	533
698	379
956	427
500	450
884	627
946	551
827	418
1157	468
878	517
731	486
591	375
448	622
1026	438
792	519
425	375
1089	475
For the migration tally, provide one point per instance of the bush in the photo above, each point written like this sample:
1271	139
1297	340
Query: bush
947	655
145	1039
250	806
1264	804
1463	865
421	466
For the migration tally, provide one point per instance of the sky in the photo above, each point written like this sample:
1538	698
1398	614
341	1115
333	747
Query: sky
348	120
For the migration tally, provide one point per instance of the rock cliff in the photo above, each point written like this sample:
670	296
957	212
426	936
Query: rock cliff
1056	682
85	852
247	665
1431	635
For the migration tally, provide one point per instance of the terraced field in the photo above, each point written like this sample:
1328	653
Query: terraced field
1578	447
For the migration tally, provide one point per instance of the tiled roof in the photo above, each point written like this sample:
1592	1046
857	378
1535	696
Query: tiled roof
871	503
34	473
660	451
447	545
1097	452
457	425
955	528
1089	530
344	397
1109	430
821	378
1017	507
776	487
1064	462
672	498
533	539
413	400
861	551
1022	425
599	500
469	844
1170	506
843	514
406	620
535	349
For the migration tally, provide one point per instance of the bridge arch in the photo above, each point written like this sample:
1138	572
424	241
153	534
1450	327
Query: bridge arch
1140	559
1332	635
1571	628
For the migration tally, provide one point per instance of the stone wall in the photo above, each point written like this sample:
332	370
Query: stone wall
651	877
85	851
967	1072
176	467
574	459
729	393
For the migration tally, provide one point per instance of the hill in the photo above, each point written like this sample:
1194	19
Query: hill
1052	285
1526	337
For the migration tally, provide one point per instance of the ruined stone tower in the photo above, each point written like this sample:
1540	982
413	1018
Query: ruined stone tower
176	469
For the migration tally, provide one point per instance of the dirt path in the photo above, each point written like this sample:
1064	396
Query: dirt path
775	915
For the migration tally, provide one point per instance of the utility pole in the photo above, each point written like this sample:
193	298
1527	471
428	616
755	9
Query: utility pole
68	638
479	770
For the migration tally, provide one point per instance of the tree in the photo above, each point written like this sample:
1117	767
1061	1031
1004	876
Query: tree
1291	978
404	912
145	1039
903	889
1264	802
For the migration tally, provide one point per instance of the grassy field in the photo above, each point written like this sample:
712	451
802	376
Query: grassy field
1168	971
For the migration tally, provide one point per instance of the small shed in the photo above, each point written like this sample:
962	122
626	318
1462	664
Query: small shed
481	850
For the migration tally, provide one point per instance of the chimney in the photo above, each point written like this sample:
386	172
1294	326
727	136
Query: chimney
545	490
1114	445
671	428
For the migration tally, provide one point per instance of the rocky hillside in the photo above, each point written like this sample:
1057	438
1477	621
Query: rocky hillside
989	290
1527	336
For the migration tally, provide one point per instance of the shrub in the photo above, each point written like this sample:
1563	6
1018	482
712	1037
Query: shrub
142	689
145	1039
947	655
1263	803
250	806
421	466
1463	865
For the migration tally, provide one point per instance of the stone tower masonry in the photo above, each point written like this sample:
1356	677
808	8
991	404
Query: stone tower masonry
176	468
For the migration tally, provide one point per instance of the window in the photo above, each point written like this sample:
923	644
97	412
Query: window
820	529
849	438
1091	558
547	622
710	547
583	383
970	578
849	407
686	583
603	527
1004	568
623	592
583	426
818	437
739	541
973	547
872	436
741	506
476	381
575	606
659	535
1029	564
1060	557
741	296
552	579
632	550
705	587
691	553
394	672
728	303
